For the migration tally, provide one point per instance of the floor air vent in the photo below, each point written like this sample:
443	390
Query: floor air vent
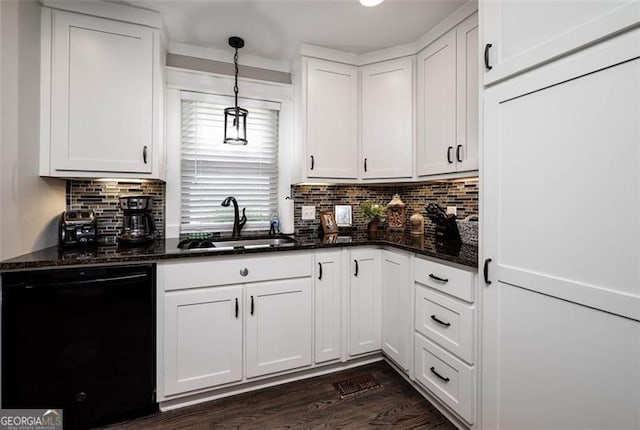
356	385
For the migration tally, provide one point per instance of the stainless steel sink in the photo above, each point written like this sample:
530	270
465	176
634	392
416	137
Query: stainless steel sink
259	242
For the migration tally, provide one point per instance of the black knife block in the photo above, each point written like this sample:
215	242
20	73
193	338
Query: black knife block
448	232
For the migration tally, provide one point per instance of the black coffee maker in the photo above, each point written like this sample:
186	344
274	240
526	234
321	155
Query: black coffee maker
137	223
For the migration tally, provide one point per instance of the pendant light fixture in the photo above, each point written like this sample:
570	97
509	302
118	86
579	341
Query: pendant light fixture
235	118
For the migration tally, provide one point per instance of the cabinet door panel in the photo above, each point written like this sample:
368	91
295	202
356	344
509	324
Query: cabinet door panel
396	312
102	95
451	380
387	119
203	338
328	312
278	326
524	34
550	152
331	120
446	321
436	107
468	83
364	302
541	353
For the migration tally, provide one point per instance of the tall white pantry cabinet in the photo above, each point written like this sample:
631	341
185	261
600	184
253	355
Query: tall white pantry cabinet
561	215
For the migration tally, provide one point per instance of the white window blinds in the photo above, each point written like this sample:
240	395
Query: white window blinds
212	171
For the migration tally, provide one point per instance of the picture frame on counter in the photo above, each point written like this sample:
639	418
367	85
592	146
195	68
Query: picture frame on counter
343	215
328	222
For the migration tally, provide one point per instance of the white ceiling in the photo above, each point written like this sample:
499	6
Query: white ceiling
274	29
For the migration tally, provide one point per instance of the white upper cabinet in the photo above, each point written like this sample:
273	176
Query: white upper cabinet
396	115
468	91
518	35
330	119
101	97
387	119
436	104
447	102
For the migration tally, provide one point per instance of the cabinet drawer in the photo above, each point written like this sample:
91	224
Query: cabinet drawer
211	271
446	377
455	282
446	321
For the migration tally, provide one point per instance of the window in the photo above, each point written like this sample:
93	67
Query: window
212	171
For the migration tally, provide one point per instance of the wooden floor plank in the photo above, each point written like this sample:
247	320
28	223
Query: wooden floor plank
308	404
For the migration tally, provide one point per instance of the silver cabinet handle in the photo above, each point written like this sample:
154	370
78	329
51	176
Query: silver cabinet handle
244	271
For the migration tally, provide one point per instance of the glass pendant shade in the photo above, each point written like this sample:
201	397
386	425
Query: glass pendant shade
235	126
235	118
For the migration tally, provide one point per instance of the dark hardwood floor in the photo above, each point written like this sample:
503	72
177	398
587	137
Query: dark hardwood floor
309	404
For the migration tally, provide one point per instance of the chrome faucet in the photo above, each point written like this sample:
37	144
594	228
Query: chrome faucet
238	222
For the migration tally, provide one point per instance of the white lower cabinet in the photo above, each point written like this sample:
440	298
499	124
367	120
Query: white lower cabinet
328	309
204	345
229	322
396	304
446	376
202	338
365	291
278	316
452	281
446	321
445	333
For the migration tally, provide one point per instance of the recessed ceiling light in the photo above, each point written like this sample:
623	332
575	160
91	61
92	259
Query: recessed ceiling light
370	3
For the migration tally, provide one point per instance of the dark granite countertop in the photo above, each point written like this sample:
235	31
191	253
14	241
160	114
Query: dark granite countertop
163	249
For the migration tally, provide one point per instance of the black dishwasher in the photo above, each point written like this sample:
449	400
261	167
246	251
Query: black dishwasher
81	340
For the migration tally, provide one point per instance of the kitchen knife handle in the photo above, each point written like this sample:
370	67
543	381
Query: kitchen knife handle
486	271
458	148
439	321
449	149
320	270
313	162
437	278
237	309
433	370
356	272
252	306
486	56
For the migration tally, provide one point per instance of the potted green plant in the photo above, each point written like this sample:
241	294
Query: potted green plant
373	212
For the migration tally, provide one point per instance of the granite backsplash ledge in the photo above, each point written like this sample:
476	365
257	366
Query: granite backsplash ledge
102	197
460	193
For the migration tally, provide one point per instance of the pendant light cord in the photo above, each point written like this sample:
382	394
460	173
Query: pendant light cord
235	87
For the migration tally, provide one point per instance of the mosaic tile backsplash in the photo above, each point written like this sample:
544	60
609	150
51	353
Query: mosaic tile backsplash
460	193
103	198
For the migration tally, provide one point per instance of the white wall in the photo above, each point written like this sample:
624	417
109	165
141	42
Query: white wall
29	205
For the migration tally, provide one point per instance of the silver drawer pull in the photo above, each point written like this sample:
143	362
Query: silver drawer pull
437	278
244	271
439	321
